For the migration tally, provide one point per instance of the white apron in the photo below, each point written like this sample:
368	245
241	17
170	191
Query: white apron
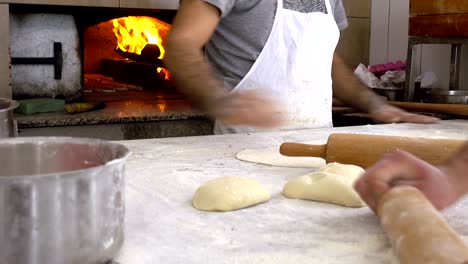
294	67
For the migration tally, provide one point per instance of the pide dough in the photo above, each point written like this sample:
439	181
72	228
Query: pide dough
229	193
331	184
272	157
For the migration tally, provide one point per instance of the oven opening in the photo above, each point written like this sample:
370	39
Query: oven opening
90	54
123	59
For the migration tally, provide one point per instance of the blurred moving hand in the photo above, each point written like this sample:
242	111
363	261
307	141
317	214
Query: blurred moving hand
247	108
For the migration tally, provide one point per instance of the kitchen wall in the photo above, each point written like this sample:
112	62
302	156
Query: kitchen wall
5	90
389	40
354	41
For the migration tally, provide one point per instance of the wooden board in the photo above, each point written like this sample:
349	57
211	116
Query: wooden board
437	7
439	25
459	110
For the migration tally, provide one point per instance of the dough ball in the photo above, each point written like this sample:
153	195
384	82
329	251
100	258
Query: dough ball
350	171
272	157
229	193
332	184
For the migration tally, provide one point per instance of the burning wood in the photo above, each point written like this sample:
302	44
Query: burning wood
150	54
135	33
141	39
142	74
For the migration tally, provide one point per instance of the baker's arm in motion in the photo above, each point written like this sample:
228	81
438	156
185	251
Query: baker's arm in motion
442	185
347	88
192	27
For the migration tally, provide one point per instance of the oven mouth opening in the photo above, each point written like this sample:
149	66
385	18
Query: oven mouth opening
124	56
89	53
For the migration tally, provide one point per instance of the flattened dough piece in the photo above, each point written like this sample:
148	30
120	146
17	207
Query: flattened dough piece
332	184
229	193
272	157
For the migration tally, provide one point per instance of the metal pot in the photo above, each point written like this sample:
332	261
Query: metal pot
447	97
8	127
61	200
392	93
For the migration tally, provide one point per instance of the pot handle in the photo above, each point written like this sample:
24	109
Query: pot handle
15	128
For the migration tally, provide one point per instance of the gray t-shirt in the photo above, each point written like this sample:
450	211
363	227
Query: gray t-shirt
244	29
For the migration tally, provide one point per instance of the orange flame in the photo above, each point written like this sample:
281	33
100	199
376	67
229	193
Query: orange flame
162	107
164	72
134	32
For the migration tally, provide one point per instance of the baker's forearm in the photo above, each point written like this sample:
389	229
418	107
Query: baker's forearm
350	90
193	76
192	27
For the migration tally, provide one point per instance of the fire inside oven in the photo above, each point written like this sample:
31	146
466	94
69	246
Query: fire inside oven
123	59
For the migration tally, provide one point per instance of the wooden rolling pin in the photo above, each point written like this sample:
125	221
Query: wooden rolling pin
453	109
417	231
365	150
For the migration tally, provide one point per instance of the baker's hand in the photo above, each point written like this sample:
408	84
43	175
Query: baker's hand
402	168
390	114
247	108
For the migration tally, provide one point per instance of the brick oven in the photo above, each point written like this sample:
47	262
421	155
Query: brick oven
94	51
87	52
21	18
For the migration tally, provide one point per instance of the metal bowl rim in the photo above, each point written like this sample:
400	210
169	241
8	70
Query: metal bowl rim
71	173
13	104
448	93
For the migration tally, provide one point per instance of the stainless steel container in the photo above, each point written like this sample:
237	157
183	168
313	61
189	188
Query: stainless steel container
392	93
8	127
61	200
447	97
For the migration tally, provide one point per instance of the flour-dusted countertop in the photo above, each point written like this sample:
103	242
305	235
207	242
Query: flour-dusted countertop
163	227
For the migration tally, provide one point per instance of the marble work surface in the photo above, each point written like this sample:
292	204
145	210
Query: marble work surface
126	111
163	227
